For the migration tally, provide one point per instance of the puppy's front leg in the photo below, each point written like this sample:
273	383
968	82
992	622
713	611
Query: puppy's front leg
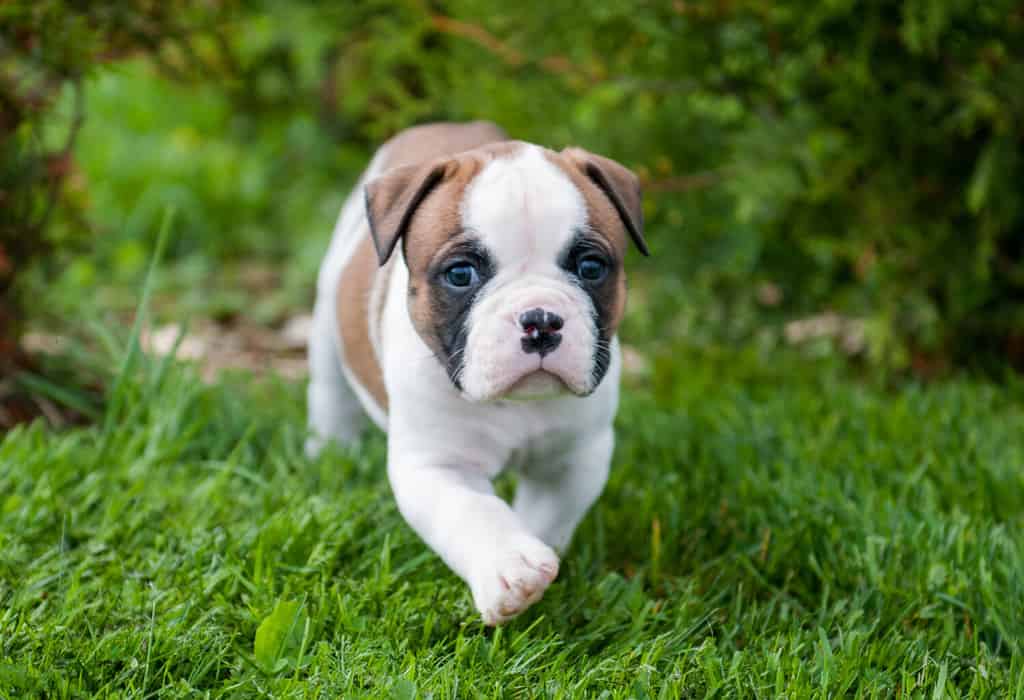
454	509
551	499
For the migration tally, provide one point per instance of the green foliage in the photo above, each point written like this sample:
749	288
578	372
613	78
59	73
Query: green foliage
770	530
242	185
887	166
47	49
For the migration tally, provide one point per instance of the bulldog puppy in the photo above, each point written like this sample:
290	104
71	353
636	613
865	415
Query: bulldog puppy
468	306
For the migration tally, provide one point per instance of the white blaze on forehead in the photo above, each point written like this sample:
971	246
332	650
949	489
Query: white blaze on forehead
524	209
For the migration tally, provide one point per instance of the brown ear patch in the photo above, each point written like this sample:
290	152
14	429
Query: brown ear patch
392	199
618	184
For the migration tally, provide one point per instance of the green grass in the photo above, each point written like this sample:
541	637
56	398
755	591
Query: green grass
770	530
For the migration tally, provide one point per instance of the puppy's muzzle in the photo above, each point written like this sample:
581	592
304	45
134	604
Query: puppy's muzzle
540	331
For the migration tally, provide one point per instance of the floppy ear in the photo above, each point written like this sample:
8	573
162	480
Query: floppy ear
392	199
620	185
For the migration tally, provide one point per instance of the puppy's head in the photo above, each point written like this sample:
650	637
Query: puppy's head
515	261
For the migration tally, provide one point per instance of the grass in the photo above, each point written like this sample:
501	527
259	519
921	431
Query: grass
769	530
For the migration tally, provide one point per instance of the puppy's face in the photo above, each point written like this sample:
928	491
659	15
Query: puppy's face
515	263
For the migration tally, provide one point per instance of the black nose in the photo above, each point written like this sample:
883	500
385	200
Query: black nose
540	331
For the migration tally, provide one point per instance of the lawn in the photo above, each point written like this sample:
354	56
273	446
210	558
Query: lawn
772	528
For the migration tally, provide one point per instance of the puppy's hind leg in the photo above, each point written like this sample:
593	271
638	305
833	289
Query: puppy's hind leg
333	407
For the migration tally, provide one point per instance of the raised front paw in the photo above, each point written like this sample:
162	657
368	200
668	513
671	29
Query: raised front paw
513	578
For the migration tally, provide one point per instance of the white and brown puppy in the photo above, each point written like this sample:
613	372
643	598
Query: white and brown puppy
468	305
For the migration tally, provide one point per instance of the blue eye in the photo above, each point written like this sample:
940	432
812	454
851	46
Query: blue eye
461	275
591	269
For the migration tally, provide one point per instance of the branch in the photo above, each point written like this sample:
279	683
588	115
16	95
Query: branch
478	35
57	178
509	55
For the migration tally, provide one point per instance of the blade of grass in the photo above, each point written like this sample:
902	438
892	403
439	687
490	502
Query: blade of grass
63	395
117	398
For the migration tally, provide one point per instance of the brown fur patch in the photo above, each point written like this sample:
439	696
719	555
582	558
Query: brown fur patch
353	307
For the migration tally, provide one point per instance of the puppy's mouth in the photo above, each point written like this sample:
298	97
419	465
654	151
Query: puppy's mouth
538	384
535	383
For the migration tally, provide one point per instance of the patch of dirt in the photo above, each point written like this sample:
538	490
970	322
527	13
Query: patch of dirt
849	332
217	347
214	346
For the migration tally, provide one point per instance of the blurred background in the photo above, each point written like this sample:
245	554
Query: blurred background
835	181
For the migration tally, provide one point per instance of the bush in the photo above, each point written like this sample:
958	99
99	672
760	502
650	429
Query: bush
881	167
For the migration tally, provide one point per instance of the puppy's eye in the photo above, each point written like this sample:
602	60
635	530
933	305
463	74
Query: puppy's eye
591	268
461	275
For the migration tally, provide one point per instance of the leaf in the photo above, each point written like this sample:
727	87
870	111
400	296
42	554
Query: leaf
981	180
403	689
279	634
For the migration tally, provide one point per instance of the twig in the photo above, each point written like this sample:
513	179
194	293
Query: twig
478	35
50	410
77	119
511	56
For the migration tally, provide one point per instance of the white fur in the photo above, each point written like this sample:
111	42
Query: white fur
443	448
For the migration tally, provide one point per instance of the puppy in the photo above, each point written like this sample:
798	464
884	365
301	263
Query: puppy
468	306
